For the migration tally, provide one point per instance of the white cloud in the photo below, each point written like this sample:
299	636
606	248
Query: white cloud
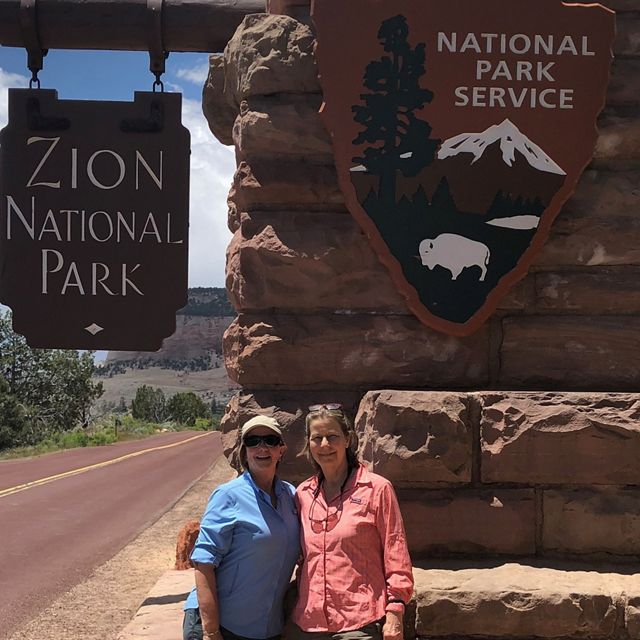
212	167
197	74
8	80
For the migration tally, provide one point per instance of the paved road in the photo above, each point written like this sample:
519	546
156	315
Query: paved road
64	514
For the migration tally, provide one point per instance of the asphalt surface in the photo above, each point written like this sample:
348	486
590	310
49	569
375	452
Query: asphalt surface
62	515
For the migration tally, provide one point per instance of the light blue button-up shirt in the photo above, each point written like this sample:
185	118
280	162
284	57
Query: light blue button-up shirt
254	548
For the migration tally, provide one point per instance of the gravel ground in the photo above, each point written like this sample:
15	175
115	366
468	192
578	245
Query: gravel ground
100	607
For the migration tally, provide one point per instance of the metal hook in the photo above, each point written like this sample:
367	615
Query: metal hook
31	40
157	53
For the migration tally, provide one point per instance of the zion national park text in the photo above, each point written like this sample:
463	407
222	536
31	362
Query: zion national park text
101	177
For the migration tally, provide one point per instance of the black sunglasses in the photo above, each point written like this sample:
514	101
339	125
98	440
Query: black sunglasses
271	440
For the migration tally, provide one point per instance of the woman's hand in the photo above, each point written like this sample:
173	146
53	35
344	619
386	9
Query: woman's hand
392	629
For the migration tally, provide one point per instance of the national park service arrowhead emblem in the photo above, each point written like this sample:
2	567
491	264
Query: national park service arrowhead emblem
460	128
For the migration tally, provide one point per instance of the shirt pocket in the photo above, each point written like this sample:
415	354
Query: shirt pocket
360	510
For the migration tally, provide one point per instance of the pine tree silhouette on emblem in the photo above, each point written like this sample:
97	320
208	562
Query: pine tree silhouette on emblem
399	140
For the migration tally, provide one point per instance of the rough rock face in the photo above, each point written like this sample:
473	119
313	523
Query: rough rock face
517	601
414	438
560	438
347	351
479	472
469	521
305	260
290	124
218	109
567	352
600	522
270	54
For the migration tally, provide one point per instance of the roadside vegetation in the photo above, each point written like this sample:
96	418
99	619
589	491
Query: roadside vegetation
48	401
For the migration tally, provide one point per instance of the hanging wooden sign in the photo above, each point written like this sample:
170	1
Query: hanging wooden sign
460	128
94	219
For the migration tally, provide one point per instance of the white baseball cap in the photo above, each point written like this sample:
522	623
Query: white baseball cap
260	421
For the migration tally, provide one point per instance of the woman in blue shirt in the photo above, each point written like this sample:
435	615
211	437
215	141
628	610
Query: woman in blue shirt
247	547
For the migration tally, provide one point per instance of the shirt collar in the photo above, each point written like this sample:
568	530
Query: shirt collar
278	485
358	477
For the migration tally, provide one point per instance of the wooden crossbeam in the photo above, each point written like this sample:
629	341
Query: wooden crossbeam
187	25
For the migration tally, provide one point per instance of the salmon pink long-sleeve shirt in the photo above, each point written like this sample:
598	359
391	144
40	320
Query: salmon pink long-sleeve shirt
355	556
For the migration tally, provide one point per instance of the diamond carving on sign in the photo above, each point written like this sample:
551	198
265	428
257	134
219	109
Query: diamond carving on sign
94	328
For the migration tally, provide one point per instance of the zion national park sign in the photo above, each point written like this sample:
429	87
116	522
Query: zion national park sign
460	128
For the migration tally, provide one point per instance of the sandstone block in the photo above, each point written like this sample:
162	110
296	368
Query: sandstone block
598	225
344	350
416	437
560	438
160	614
597	352
603	522
514	601
306	261
632	616
597	290
468	521
298	260
270	54
219	112
289	409
618	144
627	42
281	183
520	296
624	83
271	126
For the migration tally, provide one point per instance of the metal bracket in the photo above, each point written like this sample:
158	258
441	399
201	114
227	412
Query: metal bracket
36	121
154	123
31	39
157	53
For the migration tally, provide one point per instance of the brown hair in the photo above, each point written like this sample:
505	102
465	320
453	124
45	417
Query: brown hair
340	418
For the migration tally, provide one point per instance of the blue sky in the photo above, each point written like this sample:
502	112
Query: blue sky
115	75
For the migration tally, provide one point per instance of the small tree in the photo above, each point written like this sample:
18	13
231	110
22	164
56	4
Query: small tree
388	114
12	418
149	404
185	408
54	387
122	406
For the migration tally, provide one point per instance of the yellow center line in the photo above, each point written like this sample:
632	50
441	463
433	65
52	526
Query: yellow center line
37	483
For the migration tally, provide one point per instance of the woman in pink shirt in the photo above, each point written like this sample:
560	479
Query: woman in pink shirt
355	578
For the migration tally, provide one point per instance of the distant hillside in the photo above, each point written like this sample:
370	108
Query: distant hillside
209	302
189	360
196	344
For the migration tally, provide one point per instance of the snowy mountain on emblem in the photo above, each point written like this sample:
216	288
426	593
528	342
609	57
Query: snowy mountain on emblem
511	140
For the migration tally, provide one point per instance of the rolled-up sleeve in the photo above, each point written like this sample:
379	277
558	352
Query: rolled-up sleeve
397	563
216	529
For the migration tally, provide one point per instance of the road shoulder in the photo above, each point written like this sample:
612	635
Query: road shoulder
100	607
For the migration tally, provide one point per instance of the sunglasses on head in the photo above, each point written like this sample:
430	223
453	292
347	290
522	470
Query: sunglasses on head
331	406
271	440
